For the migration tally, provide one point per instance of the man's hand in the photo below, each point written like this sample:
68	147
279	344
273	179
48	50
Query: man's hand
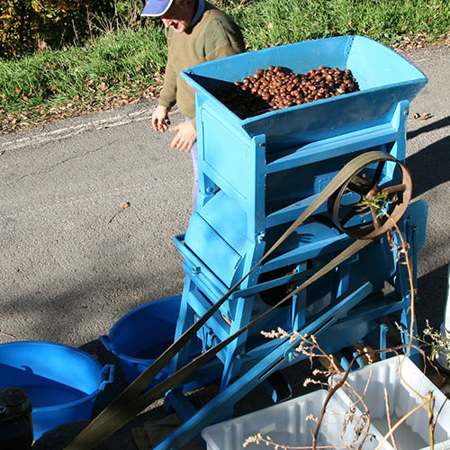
185	137
160	118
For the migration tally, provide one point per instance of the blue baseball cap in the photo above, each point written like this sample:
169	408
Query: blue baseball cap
156	8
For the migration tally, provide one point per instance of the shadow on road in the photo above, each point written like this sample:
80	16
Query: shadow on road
432	292
431	127
430	167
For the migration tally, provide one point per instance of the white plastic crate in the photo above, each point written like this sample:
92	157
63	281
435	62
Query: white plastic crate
413	434
439	446
286	423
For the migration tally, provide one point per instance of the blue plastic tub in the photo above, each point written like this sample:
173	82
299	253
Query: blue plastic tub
62	382
143	334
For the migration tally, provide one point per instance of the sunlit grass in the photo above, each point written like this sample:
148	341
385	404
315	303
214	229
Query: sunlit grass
107	64
131	59
278	22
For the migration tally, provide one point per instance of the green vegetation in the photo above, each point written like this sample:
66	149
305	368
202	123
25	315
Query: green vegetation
26	25
125	61
112	65
388	21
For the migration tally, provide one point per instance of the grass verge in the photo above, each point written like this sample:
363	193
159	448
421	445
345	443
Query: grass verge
127	65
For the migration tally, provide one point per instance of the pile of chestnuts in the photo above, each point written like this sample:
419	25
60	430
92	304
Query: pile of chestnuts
277	88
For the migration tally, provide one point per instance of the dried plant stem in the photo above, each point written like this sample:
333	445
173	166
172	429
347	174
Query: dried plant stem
388	415
332	390
429	398
401	421
7	335
430	405
404	247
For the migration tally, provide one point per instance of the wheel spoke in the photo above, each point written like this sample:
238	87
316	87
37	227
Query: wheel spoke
358	186
378	172
376	218
393	189
352	213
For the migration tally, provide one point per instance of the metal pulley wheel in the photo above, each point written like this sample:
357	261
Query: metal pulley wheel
377	193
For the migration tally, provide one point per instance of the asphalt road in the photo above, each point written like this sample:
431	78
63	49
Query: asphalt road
73	262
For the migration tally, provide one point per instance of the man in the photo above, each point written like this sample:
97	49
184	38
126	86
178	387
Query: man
196	32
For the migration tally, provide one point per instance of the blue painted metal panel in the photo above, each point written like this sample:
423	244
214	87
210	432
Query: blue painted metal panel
209	245
221	150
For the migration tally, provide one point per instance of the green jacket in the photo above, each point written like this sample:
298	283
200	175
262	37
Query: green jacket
214	36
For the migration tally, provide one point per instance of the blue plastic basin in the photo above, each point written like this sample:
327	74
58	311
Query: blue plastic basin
62	382
139	338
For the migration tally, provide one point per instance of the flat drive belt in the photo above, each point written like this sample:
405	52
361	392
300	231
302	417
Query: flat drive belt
132	401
